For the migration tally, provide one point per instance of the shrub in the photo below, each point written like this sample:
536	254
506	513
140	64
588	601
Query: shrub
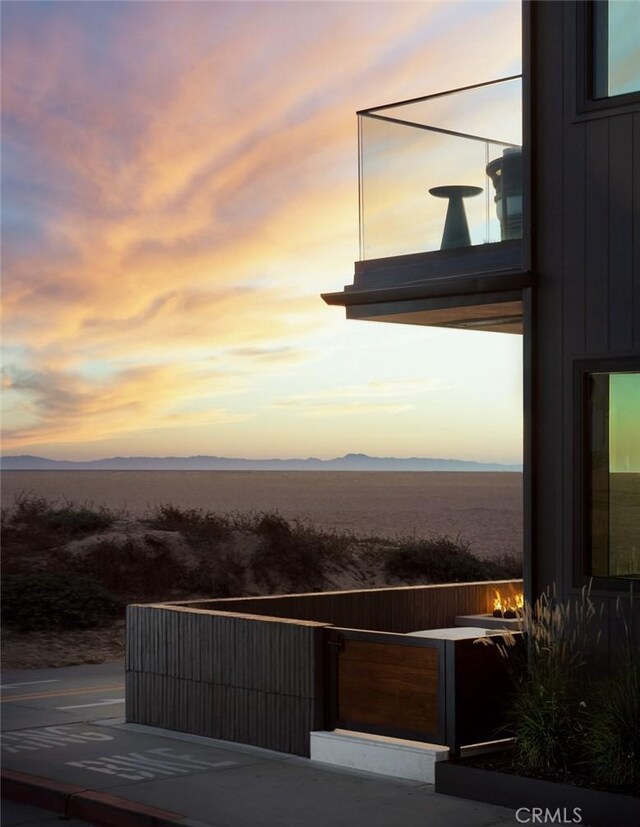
75	520
226	574
36	523
571	716
290	555
613	746
548	718
200	527
444	560
44	601
27	507
612	750
146	569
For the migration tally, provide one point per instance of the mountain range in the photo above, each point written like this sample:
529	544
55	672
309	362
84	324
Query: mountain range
349	462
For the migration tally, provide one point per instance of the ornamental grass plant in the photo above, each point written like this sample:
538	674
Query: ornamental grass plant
550	704
573	717
612	750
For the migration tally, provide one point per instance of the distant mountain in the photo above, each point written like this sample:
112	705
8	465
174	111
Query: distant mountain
350	462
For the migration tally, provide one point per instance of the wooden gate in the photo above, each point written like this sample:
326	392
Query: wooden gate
443	691
387	684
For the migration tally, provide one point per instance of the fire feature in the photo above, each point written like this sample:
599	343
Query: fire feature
507	607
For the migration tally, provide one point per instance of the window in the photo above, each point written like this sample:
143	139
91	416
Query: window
614	474
616	50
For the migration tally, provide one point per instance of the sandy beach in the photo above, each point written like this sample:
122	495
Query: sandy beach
484	509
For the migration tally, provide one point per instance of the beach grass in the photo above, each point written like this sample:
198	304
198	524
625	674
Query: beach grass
173	552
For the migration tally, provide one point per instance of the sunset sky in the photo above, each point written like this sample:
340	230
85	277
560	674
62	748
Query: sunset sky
179	186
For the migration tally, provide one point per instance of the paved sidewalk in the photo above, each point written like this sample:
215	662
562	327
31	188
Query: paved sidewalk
22	815
122	775
113	773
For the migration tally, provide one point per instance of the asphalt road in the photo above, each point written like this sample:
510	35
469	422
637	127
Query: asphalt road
65	728
48	697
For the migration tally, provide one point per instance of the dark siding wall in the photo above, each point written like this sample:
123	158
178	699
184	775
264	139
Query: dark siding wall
402	609
239	679
585	260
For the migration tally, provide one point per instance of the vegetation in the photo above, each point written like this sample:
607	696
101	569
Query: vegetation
175	553
612	752
35	523
32	602
571	716
443	560
201	527
140	570
293	554
549	711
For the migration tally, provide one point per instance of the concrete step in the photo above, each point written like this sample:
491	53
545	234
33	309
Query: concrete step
397	757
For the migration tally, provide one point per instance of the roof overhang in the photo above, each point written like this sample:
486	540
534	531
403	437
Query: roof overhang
481	301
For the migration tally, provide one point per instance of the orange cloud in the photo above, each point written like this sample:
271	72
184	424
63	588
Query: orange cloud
65	407
181	183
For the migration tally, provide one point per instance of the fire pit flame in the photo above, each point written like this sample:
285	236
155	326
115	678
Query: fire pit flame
507	607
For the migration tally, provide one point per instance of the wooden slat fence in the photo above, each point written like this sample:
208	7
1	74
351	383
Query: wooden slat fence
248	679
401	609
253	670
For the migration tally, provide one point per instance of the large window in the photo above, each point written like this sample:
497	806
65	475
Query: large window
614	474
616	47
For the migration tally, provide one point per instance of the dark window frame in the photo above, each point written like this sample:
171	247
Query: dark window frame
587	104
583	369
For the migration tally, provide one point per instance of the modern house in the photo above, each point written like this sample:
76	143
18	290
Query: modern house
507	207
541	238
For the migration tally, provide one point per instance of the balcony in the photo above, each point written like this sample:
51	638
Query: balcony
441	210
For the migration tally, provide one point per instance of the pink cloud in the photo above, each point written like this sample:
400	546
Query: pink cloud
172	168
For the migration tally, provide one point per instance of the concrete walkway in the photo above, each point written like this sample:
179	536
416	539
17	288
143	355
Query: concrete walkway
22	815
108	772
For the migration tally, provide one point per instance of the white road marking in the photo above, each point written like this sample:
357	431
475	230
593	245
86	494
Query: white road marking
137	766
26	683
106	702
48	738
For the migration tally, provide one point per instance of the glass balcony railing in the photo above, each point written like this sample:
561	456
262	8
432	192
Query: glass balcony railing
441	172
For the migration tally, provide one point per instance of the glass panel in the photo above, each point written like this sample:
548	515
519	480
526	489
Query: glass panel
492	111
615	474
616	35
431	186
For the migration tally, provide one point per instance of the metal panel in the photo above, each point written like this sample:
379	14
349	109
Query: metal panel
635	255
478	689
621	163
597	237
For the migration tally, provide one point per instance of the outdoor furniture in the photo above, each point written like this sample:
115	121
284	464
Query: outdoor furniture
456	228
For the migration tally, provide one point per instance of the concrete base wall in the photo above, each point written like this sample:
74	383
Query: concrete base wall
375	753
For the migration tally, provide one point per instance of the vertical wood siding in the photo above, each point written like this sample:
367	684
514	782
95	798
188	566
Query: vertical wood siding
402	609
586	264
232	677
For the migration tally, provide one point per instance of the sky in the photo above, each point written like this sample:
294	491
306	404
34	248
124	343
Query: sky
180	183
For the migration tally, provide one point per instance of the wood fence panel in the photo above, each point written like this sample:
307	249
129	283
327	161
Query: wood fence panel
388	686
400	609
231	677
